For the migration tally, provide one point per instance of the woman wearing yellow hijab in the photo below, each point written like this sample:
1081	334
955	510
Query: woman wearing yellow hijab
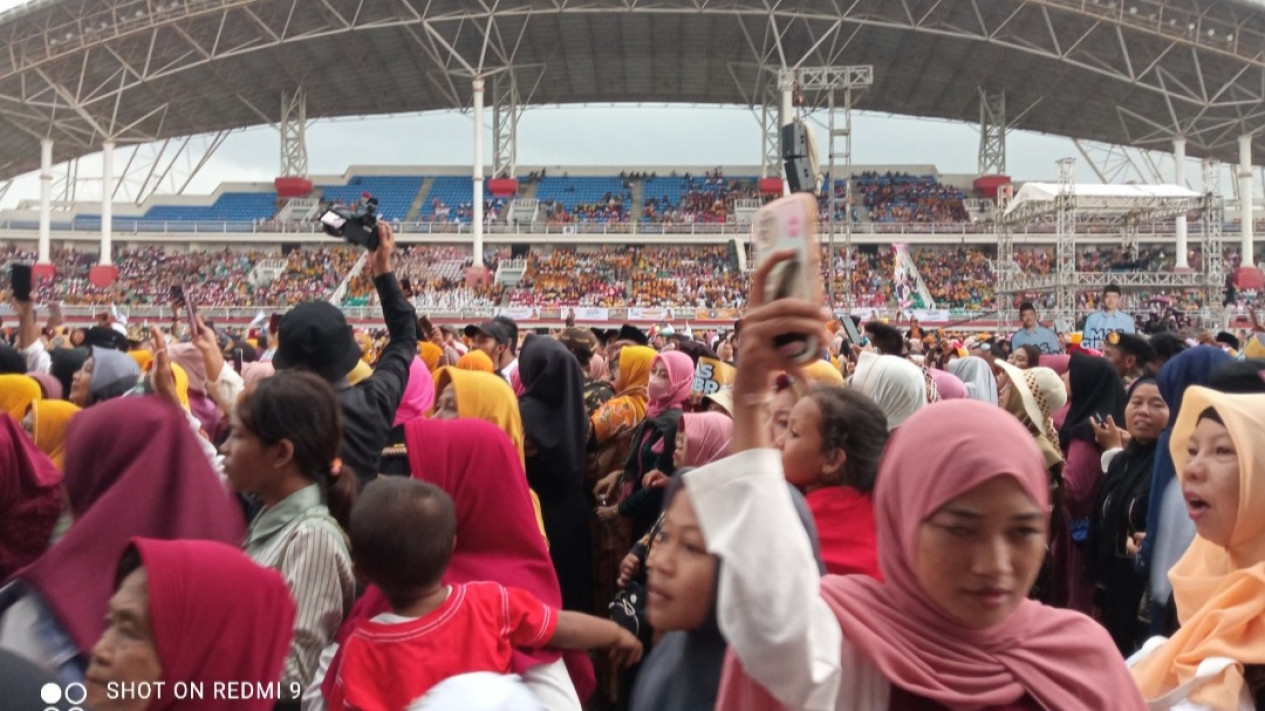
181	376
1219	584
17	392
477	361
49	420
466	393
822	372
627	409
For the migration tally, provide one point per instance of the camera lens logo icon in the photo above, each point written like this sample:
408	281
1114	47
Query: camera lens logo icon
73	694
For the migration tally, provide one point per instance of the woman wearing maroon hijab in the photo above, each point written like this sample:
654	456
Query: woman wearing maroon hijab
498	540
200	614
133	468
30	499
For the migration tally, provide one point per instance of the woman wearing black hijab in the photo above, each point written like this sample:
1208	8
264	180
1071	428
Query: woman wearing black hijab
1096	394
1119	515
556	427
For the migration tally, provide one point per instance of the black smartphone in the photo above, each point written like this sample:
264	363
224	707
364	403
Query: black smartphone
850	328
20	280
274	323
237	360
177	294
191	313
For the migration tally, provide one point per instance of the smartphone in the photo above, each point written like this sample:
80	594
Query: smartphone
177	294
406	285
237	360
20	280
790	223
850	329
274	323
191	313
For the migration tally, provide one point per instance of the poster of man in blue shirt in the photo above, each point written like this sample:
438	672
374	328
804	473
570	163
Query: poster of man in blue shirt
1033	333
1108	319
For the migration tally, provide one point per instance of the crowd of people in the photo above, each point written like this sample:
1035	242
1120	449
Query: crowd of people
428	518
901	197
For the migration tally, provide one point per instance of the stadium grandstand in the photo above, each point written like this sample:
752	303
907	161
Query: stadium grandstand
635	243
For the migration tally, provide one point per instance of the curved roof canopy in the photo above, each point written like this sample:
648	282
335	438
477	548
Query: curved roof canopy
1134	72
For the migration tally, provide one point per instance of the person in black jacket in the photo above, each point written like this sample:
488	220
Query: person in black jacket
316	336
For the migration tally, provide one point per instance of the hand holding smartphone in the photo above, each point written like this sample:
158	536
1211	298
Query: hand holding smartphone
20	280
790	224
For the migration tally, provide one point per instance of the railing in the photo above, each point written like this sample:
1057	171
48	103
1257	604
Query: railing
123	227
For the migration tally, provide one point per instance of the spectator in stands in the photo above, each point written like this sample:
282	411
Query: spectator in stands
1033	333
1107	320
316	336
1025	357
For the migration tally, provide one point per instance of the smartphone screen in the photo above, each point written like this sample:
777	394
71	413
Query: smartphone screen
20	280
850	329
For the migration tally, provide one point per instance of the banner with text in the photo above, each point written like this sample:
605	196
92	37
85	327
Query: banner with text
712	375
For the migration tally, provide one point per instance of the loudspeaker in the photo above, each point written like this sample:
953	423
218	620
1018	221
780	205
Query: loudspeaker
794	140
799	175
519	251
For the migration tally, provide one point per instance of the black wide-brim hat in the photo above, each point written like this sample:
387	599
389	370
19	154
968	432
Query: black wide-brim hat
316	336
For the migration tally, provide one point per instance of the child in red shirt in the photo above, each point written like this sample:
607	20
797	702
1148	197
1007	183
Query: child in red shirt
402	536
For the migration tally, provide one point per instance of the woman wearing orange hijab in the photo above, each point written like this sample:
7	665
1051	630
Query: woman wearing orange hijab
476	361
1219	584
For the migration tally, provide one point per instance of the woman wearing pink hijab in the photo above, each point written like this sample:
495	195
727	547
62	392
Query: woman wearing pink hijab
950	626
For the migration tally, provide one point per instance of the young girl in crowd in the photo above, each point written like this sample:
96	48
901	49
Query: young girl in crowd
133	468
682	672
963	541
105	375
1117	521
47	423
831	451
283	448
194	613
1217	659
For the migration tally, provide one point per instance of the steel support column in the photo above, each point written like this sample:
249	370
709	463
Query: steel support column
1245	200
1213	266
46	199
476	223
1179	178
1065	246
107	202
992	133
770	137
505	102
293	126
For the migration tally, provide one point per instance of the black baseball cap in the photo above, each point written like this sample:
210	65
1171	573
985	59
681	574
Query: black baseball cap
315	335
495	329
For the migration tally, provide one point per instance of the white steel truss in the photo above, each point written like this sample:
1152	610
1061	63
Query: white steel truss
166	166
1066	280
293	128
992	133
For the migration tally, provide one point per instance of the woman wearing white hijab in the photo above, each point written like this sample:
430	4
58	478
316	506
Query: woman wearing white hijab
978	375
896	385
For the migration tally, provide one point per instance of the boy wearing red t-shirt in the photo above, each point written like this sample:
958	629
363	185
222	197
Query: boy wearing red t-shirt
402	533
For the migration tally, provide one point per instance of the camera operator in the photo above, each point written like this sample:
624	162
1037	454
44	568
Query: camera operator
316	336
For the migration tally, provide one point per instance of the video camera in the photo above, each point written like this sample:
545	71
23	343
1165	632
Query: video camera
356	225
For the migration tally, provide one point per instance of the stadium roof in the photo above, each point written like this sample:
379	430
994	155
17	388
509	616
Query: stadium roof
1134	72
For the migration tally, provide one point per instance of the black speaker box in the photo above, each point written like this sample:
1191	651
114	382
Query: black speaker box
799	175
794	140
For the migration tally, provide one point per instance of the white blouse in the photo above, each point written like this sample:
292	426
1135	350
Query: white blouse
769	603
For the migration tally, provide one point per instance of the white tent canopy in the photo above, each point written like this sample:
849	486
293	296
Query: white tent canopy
1153	201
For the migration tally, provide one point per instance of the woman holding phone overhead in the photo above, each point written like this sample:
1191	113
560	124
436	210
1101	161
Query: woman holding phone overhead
950	627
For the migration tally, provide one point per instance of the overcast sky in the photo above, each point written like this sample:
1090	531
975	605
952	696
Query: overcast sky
600	135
